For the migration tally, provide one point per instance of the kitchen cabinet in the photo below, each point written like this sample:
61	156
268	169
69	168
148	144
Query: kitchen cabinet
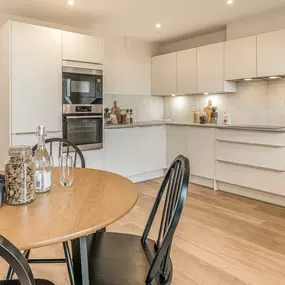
270	54
134	151
176	142
241	58
163	74
95	159
83	48
201	151
35	78
187	71
210	70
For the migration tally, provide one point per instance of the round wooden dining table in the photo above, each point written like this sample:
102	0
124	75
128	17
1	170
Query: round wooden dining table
95	200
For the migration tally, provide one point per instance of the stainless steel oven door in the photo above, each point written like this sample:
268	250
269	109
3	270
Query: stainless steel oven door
85	131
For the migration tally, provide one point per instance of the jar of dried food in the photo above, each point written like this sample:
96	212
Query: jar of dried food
20	176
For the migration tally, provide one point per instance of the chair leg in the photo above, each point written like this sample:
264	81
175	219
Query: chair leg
68	262
11	271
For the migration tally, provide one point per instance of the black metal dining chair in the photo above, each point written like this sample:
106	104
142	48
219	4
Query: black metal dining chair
66	147
18	262
125	259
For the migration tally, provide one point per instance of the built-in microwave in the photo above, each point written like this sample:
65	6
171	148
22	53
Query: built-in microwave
82	86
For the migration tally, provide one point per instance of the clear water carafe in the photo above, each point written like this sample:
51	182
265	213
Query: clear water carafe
43	163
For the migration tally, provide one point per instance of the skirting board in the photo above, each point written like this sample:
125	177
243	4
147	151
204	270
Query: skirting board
207	182
251	193
147	175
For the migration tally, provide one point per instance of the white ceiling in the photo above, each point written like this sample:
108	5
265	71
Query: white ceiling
137	18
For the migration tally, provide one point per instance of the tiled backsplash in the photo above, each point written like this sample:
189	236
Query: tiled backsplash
256	102
146	108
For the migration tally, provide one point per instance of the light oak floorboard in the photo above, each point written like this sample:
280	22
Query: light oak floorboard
222	239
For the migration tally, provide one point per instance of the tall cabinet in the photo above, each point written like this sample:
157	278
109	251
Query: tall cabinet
31	62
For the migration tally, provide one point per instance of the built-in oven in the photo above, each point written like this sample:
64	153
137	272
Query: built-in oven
82	99
84	127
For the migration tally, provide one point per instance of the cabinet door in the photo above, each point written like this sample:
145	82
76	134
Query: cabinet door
176	142
163	74
210	60
240	58
95	159
201	151
133	151
187	71
36	78
270	54
82	48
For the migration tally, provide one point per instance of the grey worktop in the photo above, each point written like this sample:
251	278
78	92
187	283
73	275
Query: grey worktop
280	129
135	125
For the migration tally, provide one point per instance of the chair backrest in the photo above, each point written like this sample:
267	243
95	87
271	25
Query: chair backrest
175	184
64	147
17	261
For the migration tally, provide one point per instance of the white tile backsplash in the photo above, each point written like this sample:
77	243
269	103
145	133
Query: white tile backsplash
255	102
146	108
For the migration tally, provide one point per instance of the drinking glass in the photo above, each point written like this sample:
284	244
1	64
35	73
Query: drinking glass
66	170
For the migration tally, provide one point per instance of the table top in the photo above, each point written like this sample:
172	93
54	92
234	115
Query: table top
95	200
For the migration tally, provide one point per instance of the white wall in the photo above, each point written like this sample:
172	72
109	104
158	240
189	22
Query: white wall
207	39
256	103
261	23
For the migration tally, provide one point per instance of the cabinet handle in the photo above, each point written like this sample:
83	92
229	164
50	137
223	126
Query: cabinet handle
84	117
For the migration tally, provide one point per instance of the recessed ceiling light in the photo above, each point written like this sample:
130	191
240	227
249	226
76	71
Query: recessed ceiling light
70	2
230	2
173	95
158	25
248	79
206	93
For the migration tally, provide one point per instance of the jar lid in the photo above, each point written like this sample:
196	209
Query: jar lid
20	149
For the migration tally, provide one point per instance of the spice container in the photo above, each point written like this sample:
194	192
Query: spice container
20	176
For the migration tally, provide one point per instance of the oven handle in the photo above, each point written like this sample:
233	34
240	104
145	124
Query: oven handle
84	117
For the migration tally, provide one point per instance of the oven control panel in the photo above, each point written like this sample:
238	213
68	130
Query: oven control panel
83	109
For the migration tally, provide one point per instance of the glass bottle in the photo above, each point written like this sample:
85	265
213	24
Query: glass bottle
43	163
131	116
128	120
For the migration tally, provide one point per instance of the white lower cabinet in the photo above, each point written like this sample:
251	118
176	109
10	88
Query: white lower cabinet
94	159
201	151
176	142
133	151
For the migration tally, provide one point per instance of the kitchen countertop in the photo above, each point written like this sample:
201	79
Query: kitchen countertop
280	129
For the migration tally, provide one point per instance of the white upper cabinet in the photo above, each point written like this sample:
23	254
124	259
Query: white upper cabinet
36	83
163	74
240	58
82	48
210	70
270	54
187	71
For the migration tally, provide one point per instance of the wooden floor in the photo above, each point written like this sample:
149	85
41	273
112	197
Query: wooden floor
222	239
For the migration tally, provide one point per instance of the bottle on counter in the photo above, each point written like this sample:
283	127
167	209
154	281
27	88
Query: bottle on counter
196	116
128	118
131	116
117	111
43	163
227	119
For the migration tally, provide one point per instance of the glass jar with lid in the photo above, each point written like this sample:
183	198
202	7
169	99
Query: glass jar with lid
20	176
